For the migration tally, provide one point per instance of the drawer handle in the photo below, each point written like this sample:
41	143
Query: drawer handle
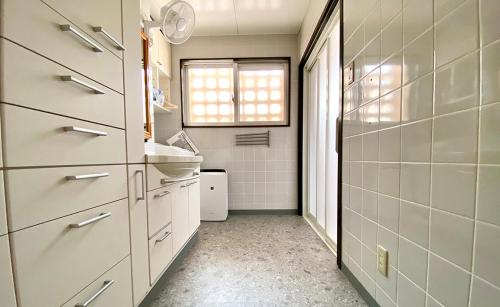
67	27
88	176
90	221
162	194
84	130
104	287
85	85
165	180
163	237
108	36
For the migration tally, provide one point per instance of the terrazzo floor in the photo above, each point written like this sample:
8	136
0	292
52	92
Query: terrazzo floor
258	260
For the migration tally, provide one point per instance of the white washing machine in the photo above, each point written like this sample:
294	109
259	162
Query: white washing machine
214	195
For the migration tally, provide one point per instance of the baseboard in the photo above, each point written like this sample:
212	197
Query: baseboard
160	284
370	300
265	212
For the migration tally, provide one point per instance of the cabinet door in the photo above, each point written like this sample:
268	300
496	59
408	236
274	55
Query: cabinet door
180	216
132	67
155	47
7	297
164	56
194	206
138	231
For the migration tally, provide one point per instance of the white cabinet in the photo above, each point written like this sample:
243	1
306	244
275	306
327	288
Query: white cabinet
159	209
185	212
36	26
51	140
160	253
7	296
22	67
194	205
94	13
67	254
132	68
161	53
138	231
180	217
113	286
52	195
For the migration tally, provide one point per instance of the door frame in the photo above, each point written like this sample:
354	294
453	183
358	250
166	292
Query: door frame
320	27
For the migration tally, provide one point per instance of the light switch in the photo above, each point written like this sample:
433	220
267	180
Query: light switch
382	260
349	74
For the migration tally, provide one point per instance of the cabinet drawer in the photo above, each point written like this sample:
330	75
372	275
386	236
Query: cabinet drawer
159	208
44	141
41	194
154	177
160	253
7	296
114	286
65	259
48	92
34	25
94	13
174	172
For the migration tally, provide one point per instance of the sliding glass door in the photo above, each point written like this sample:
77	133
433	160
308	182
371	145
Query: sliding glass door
322	108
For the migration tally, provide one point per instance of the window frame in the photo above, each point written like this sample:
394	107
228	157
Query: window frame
184	63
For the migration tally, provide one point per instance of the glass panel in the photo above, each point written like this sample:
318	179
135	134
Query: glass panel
333	113
321	137
262	93
312	136
210	94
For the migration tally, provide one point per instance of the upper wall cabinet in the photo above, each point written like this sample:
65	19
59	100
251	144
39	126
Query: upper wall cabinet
160	53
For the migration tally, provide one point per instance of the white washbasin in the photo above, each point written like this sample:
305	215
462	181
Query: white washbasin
158	153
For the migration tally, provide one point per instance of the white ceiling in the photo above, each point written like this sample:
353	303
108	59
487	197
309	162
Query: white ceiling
243	17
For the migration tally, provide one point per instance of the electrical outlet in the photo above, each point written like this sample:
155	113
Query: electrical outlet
382	260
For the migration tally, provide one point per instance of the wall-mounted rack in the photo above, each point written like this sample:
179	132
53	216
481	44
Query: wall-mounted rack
253	139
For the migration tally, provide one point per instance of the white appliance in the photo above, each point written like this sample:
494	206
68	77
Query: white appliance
177	21
214	195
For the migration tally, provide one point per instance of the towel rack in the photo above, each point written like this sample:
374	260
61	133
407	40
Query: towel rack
253	139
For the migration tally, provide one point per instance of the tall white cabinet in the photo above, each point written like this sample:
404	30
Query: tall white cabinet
77	200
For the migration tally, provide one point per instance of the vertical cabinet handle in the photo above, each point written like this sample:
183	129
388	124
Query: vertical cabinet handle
70	28
100	29
143	193
94	89
84	130
105	286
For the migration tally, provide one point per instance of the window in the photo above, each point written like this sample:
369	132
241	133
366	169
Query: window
250	92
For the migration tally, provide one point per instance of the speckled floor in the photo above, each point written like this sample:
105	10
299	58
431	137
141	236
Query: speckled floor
256	260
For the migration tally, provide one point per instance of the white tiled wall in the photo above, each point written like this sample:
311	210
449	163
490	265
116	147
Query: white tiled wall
421	169
260	177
